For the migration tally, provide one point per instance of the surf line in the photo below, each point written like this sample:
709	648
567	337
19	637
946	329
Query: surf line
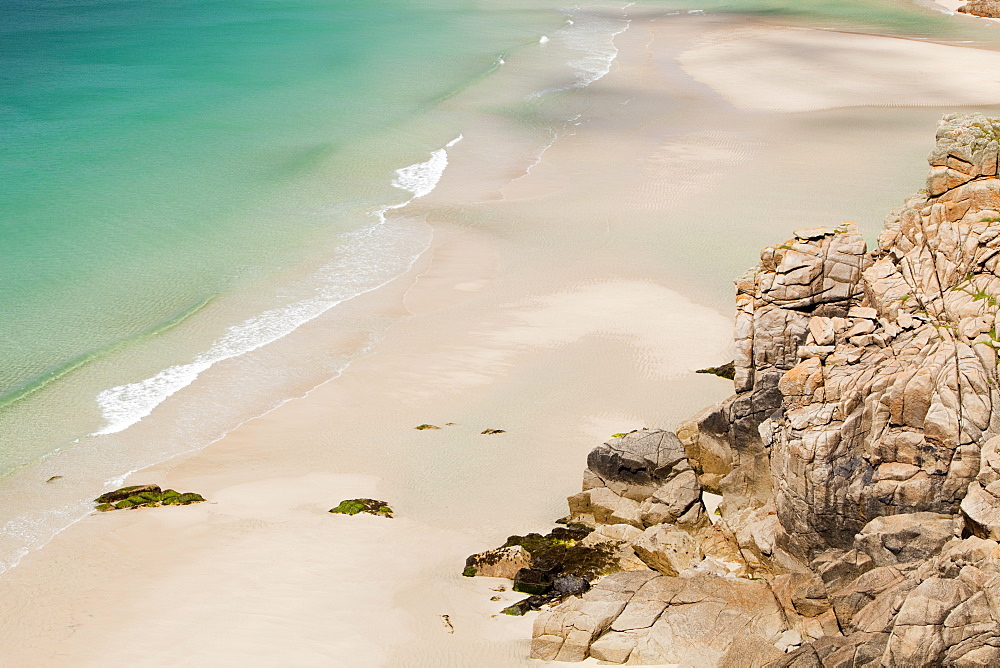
124	405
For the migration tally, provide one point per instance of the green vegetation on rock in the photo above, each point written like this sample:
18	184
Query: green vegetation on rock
144	496
370	506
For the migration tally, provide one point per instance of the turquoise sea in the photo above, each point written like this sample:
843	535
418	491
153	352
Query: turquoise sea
185	182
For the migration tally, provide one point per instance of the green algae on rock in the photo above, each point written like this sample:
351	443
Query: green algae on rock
549	568
370	506
144	496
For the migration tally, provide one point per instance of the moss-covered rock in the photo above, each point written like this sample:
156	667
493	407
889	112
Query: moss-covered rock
422	427
125	492
526	605
370	506
556	557
144	496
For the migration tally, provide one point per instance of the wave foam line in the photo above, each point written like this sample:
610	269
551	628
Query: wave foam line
594	36
371	258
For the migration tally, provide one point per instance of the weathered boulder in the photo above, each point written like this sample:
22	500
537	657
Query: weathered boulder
647	618
642	478
640	458
565	633
502	562
125	492
144	496
986	8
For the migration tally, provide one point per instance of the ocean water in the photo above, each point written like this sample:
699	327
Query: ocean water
184	184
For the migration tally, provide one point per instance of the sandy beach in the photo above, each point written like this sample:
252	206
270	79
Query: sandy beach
575	302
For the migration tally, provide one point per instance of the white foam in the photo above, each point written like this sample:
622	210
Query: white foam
543	39
594	37
370	258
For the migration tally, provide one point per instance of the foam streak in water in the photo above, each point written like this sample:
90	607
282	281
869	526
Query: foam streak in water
369	259
594	37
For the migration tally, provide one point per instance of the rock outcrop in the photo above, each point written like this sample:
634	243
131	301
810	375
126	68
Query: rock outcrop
986	8
858	460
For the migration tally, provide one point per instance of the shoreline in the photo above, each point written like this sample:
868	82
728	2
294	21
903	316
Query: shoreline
501	324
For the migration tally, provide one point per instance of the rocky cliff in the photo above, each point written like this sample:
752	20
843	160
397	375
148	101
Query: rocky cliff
858	461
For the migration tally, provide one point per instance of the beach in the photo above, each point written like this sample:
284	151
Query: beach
560	303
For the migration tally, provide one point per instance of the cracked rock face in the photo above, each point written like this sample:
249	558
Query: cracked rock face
647	618
858	460
886	410
643	478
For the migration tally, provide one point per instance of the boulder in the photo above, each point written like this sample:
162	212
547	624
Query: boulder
640	458
986	8
642	478
125	492
642	619
503	562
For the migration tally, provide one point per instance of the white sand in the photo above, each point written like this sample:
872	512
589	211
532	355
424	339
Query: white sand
551	311
800	69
